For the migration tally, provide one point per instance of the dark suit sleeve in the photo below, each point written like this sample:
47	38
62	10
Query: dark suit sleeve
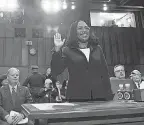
105	75
42	92
3	113
28	96
58	63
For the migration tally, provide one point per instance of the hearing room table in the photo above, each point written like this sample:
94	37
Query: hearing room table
89	113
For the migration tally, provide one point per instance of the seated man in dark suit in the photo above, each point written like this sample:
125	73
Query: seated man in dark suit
137	79
13	95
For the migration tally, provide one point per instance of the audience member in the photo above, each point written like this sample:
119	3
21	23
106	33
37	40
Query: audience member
119	72
13	95
4	82
61	94
48	75
2	77
64	88
136	77
65	84
48	93
35	82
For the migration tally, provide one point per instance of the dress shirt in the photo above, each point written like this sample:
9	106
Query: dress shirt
12	89
86	52
140	85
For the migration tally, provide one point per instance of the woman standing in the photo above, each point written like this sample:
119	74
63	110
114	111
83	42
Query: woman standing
87	67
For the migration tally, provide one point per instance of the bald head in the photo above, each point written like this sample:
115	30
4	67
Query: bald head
48	83
136	76
13	76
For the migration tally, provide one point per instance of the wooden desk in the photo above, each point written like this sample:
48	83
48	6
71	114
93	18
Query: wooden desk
91	113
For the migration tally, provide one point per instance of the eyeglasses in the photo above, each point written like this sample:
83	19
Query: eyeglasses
119	70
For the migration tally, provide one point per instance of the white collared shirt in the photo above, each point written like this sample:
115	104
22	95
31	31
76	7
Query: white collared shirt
12	87
141	85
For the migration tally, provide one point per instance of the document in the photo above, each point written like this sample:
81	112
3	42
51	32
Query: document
23	121
50	106
43	106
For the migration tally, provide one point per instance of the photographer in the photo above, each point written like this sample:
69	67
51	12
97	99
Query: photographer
48	93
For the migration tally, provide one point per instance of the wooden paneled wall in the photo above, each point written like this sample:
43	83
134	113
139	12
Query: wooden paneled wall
120	46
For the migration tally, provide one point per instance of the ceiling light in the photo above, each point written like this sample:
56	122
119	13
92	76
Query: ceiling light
64	5
51	6
105	8
56	6
104	5
73	7
46	5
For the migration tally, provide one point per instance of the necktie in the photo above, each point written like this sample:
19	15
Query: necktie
138	85
14	95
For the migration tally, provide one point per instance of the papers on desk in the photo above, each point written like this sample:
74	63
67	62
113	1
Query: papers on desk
50	106
43	106
23	121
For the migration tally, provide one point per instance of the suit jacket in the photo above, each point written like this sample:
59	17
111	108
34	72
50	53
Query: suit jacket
23	96
3	113
48	96
87	80
35	82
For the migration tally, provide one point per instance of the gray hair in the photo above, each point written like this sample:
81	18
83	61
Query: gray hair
118	66
11	69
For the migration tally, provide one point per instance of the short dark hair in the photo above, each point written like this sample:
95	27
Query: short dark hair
34	67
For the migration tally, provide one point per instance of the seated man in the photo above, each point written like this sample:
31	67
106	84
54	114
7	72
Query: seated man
136	77
48	93
13	95
119	72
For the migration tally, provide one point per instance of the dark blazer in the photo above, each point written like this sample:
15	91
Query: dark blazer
87	80
23	96
35	83
48	96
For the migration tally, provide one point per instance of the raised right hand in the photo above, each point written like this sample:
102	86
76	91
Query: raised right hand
58	42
